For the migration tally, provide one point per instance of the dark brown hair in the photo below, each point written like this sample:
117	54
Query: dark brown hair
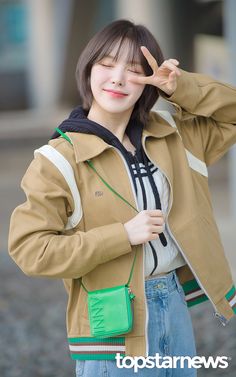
102	43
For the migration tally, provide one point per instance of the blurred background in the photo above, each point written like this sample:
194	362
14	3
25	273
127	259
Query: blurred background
40	41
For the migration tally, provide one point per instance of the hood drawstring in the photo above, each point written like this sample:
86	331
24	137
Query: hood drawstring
155	193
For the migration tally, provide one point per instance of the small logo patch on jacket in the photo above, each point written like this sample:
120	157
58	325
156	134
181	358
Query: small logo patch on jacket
98	193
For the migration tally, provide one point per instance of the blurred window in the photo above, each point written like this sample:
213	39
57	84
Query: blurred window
13	36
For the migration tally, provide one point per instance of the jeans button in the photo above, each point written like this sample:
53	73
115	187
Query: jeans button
159	286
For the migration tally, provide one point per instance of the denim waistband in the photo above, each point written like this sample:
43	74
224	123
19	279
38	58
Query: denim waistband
165	283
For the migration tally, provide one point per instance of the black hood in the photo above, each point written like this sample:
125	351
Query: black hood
78	122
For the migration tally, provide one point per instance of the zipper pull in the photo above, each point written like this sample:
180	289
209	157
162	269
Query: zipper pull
221	318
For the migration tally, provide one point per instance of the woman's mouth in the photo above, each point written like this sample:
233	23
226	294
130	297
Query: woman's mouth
115	93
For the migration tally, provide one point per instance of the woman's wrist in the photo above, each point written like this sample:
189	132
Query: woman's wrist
168	94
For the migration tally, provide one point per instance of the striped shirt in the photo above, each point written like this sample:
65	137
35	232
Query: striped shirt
169	256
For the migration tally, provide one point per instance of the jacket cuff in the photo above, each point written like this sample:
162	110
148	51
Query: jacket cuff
114	241
187	90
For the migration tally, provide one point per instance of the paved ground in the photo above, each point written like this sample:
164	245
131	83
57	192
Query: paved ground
32	311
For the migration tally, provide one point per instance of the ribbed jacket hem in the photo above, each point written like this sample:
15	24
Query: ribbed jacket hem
88	348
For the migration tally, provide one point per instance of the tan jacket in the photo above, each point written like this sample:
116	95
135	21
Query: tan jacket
98	246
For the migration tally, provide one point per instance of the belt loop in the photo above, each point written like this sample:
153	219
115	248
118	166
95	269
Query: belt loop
177	280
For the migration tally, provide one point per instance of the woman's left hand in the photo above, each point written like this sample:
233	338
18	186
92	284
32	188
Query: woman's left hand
163	77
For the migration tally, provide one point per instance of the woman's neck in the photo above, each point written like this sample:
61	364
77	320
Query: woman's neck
114	122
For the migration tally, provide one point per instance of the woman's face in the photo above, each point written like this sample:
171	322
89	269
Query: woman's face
112	91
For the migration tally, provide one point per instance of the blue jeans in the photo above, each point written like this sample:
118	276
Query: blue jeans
170	333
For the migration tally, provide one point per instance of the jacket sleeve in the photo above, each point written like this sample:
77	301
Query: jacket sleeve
36	242
206	114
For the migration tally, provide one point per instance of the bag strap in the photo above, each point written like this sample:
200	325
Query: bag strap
130	275
90	164
107	184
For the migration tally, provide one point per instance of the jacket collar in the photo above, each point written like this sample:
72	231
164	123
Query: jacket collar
88	146
158	127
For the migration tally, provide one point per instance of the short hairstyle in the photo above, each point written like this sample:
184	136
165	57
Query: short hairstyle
102	43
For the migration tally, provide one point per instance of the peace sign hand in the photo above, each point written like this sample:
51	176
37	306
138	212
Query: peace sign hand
163	77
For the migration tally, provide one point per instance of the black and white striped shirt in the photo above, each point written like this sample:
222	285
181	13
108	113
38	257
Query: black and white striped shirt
168	256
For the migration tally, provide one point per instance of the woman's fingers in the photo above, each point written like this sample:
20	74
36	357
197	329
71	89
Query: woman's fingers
174	61
171	66
140	79
151	60
156	220
163	77
172	77
170	63
153	212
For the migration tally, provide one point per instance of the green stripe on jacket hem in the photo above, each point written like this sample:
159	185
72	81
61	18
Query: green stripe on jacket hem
231	298
194	295
88	348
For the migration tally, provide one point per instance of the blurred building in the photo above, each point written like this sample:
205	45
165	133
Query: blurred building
13	55
40	41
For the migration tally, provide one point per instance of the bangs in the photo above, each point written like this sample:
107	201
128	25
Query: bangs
125	45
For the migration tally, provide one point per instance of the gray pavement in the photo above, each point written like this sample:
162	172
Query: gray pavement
32	310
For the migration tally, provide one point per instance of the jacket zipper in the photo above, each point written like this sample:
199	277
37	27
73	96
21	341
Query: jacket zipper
146	308
222	319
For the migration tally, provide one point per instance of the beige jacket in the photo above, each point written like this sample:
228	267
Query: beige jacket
98	245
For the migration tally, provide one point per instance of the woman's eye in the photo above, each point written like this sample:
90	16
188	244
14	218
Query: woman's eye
134	71
106	65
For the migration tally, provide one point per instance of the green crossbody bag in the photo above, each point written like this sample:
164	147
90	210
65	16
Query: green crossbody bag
110	309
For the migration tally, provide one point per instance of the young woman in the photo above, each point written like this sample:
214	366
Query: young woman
158	164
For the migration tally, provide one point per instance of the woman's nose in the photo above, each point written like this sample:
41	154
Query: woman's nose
117	82
118	77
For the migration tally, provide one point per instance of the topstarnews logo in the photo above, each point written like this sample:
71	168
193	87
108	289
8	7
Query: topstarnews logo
140	362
